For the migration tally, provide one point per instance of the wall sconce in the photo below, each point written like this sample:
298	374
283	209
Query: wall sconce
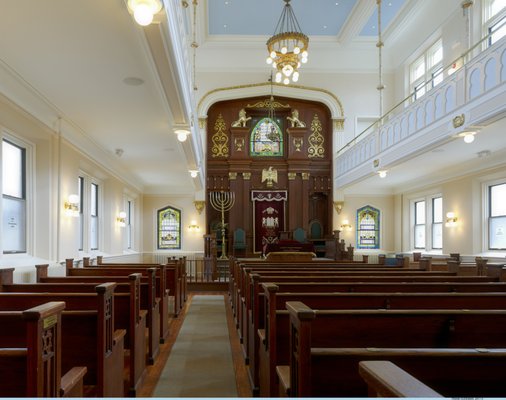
71	206
346	225
193	227
193	173
182	134
144	10
451	219
121	219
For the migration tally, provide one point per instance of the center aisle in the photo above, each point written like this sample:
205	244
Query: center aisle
200	362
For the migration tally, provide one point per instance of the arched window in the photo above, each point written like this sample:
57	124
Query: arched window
266	139
169	228
368	224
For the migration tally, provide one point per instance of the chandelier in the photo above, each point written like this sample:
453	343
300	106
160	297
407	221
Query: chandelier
287	47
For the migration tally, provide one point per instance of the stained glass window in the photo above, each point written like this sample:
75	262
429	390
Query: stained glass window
266	138
368	224
169	228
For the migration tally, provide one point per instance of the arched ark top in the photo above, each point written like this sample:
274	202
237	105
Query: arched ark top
262	89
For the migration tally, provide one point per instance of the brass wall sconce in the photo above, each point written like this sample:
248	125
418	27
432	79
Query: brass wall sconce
121	219
193	227
345	225
71	206
451	219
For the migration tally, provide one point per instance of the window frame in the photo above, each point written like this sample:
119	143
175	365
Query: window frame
85	206
489	217
428	223
490	21
29	193
420	85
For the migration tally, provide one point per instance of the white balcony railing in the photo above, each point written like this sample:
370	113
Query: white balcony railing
477	80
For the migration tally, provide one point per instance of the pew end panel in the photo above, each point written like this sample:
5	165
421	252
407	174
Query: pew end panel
385	379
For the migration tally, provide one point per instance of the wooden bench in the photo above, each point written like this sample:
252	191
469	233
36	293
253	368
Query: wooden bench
128	316
30	354
88	337
156	325
385	379
315	334
176	277
270	345
247	295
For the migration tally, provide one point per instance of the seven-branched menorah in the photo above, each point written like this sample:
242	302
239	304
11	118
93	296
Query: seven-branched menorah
222	201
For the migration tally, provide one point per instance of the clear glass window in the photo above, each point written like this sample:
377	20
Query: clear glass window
497	217
419	233
437	223
14	198
94	227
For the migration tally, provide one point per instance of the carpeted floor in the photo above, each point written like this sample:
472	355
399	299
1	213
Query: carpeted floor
200	362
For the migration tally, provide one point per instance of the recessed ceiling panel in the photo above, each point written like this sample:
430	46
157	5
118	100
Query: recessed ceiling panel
259	17
389	10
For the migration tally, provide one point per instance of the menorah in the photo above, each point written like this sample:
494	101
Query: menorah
222	201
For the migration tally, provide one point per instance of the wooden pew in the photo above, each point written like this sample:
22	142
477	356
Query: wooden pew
129	316
385	379
87	336
156	321
175	281
315	333
30	354
269	325
345	276
243	289
457	373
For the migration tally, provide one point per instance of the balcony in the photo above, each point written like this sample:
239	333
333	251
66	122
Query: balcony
473	96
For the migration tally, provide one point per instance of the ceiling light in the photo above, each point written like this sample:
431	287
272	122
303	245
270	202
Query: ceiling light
182	134
287	48
469	138
144	10
467	135
382	173
193	173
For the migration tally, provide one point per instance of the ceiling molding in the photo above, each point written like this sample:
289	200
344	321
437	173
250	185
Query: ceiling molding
356	21
264	89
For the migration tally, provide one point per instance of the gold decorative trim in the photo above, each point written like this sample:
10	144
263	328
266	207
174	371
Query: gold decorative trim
338	205
220	138
239	144
316	139
305	176
297	143
199	205
202	123
292	176
232	176
246	176
338	124
267	104
340	106
459	120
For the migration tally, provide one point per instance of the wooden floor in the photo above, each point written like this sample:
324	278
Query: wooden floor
154	371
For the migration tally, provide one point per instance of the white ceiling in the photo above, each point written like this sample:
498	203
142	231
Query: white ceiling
70	59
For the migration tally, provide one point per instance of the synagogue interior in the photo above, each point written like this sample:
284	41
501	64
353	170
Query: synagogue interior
269	198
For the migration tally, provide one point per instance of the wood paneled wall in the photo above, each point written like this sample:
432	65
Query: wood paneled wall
305	169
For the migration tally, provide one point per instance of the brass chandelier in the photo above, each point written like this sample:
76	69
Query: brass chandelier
287	47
